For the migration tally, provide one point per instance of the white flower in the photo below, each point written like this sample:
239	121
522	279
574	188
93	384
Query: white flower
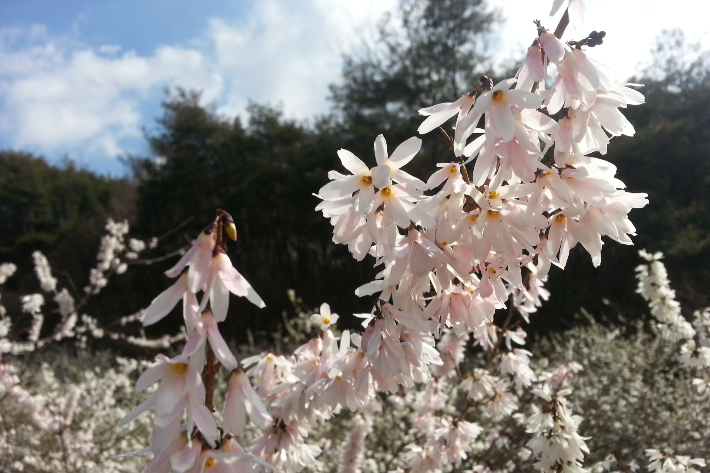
6	270
32	304
44	272
325	318
496	104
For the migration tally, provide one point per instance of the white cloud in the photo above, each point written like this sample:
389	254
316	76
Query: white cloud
60	96
57	96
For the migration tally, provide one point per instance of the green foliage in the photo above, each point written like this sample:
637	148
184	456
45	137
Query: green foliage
428	52
39	203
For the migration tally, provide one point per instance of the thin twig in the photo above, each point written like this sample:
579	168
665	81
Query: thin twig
562	25
208	375
149	261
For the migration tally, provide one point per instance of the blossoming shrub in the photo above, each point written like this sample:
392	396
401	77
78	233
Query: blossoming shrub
633	393
60	409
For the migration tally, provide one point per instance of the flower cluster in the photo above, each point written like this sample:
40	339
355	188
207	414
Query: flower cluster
664	461
512	202
61	416
654	286
556	442
111	259
486	238
186	435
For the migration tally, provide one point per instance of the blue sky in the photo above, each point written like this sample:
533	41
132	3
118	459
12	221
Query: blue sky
83	78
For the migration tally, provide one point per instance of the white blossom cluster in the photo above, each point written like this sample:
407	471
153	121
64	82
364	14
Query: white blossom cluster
47	282
654	286
664	461
632	393
114	252
556	442
59	410
61	416
484	240
72	325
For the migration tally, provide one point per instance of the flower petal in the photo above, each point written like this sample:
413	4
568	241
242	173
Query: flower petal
351	162
405	152
165	302
380	149
502	121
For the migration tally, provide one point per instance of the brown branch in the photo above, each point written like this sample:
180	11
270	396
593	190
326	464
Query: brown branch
447	139
208	374
562	25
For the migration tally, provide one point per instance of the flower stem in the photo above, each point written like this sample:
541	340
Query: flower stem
208	375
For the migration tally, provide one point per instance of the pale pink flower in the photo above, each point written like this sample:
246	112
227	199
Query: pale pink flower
404	153
325	318
180	388
230	458
554	48
206	329
166	301
269	369
242	399
533	69
222	278
198	258
362	180
578	80
496	104
517	363
284	446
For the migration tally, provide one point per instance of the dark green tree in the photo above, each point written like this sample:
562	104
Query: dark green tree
428	52
264	173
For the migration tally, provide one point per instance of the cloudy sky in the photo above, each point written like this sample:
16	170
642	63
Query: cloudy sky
83	78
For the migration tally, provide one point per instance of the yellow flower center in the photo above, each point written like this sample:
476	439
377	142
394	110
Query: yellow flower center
498	96
210	462
474	218
387	191
180	367
548	173
493	195
560	218
493	271
444	243
452	170
472	291
269	358
326	320
366	179
493	213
